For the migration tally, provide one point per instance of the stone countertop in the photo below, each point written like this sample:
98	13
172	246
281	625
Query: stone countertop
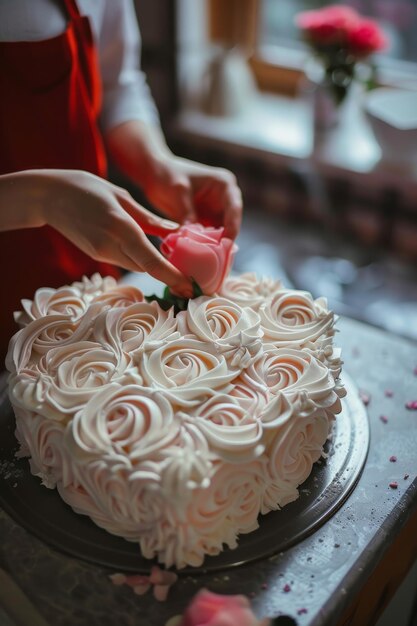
326	573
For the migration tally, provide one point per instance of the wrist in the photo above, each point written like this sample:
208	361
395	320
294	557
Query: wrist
25	192
139	150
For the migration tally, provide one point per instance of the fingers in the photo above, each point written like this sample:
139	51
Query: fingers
150	223
219	201
182	202
232	211
134	245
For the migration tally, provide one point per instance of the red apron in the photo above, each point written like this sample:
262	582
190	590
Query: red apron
49	105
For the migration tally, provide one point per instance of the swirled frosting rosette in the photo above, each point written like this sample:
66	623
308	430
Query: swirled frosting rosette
63	301
126	422
175	431
120	296
248	290
134	327
298	375
293	318
231	432
186	370
42	440
96	285
68	377
42	335
234	330
293	449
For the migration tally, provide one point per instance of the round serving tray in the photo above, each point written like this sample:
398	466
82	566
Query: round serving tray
42	512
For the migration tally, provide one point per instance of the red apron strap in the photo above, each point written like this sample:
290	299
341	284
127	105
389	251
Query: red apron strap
72	8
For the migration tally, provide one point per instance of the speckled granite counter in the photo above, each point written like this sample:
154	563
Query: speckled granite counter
342	574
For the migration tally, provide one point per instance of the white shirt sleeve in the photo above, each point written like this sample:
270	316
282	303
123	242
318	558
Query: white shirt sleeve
126	95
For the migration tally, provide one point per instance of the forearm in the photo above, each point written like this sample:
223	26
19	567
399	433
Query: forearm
136	147
22	198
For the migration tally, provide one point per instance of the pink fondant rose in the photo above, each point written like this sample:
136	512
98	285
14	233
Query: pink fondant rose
211	609
201	253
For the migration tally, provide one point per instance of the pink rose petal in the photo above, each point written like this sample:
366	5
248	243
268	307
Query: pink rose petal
118	579
136	580
140	590
162	577
160	592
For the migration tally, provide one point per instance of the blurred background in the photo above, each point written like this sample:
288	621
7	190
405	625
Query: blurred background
329	208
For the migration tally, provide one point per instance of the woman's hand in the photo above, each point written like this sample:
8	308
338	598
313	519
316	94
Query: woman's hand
101	219
191	192
181	189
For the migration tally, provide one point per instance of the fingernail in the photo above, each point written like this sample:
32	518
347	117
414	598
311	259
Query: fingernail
169	224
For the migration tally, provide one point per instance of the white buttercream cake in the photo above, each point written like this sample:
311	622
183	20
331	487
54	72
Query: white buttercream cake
175	432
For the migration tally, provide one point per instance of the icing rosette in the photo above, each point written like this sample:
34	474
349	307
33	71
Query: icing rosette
63	301
123	501
42	440
185	465
235	330
89	288
292	451
293	318
296	374
232	433
74	374
122	422
41	335
187	370
119	296
230	506
247	290
132	328
252	395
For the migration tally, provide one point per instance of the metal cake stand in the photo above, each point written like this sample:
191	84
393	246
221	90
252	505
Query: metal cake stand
42	512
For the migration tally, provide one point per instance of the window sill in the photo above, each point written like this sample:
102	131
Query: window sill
279	130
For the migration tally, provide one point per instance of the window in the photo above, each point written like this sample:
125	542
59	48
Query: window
266	29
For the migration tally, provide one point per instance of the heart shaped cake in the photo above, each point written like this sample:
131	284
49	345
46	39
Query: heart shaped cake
175	432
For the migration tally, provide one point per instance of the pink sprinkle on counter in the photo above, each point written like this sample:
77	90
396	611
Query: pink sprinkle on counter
393	485
393	459
412	405
388	393
286	588
383	419
302	611
365	397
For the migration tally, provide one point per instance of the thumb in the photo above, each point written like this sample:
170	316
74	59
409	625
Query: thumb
150	223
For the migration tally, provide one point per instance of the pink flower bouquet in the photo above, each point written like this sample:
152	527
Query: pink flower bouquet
340	37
